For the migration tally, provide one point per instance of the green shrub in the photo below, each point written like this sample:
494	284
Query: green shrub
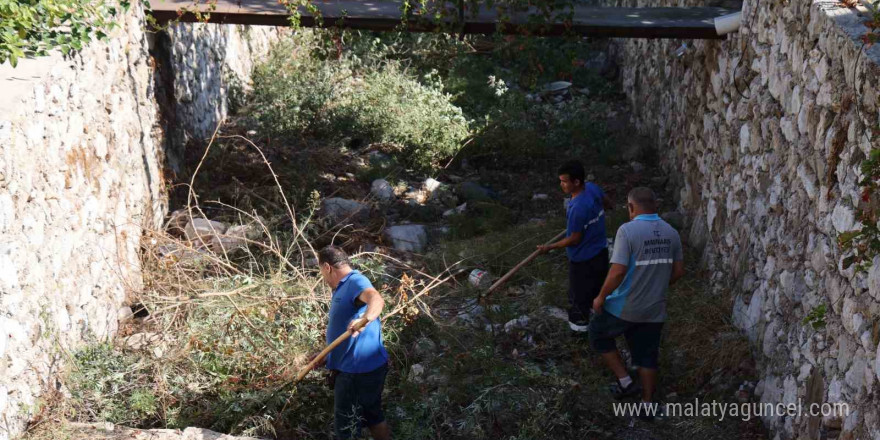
113	385
300	93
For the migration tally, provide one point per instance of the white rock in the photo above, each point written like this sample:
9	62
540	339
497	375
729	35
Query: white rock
9	280
867	340
516	323
338	210
808	179
382	190
140	341
539	197
877	363
431	184
222	244
557	87
789	390
123	314
745	138
874	278
770	341
457	210
835	391
844	353
202	231
250	231
409	238
204	434
842	218
555	312
4	399
855	377
416	373
4	337
637	167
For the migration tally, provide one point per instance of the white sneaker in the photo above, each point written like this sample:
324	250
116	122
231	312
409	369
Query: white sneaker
579	328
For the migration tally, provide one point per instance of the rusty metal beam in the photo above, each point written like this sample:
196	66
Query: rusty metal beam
696	23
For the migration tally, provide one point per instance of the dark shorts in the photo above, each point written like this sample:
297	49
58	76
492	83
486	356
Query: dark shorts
585	279
643	338
358	401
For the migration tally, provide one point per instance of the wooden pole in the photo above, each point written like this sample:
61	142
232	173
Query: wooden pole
519	266
360	324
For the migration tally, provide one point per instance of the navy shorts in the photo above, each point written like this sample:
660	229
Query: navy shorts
358	401
643	338
585	279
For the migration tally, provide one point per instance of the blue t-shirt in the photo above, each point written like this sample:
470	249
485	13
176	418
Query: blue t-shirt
586	214
366	352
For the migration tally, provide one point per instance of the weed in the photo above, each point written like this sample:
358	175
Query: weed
816	317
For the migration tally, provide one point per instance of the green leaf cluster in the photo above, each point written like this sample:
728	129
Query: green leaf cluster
35	27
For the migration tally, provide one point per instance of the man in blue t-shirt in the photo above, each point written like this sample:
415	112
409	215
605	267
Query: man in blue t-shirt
584	242
358	366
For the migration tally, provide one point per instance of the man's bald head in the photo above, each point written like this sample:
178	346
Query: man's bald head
643	199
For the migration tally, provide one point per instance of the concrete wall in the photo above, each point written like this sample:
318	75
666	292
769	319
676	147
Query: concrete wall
763	135
82	172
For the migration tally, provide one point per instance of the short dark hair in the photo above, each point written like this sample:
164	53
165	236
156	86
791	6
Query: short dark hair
574	169
643	197
333	256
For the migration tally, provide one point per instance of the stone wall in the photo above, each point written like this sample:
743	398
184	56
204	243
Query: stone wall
82	160
211	69
763	135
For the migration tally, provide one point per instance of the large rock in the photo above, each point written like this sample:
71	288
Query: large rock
109	431
339	210
204	434
431	184
409	238
877	363
235	238
202	231
474	192
843	218
382	190
425	348
874	278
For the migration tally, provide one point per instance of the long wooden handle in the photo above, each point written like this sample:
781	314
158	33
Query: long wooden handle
359	324
519	266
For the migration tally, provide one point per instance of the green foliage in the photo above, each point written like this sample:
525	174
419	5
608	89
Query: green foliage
113	385
864	244
816	317
34	27
872	35
302	92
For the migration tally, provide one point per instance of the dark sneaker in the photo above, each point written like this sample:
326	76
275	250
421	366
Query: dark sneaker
619	392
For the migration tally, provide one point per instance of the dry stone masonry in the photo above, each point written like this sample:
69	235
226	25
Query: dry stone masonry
82	159
763	135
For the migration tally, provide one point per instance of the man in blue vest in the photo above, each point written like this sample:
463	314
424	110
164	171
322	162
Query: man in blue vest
647	259
358	366
584	242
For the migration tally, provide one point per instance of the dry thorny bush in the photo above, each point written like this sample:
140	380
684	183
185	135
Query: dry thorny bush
222	329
